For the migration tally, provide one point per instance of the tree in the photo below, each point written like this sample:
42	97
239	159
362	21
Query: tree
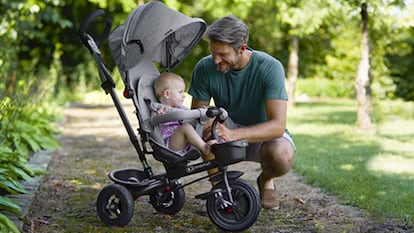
300	18
363	80
381	28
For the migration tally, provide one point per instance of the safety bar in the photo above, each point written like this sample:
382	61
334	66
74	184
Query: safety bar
203	113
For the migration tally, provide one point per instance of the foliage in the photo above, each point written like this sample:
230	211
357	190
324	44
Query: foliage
6	225
18	137
324	88
386	110
25	127
329	35
399	59
26	36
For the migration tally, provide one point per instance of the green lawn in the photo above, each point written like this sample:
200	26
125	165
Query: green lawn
373	171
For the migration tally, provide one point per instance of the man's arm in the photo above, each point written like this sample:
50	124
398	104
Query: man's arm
273	128
195	103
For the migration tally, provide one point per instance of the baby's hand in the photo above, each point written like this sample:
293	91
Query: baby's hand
161	110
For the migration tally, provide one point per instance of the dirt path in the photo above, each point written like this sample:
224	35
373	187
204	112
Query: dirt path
94	142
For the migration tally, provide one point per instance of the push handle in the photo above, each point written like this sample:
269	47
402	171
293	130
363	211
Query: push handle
88	21
220	115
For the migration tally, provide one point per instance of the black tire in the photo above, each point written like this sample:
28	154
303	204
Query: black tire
168	201
115	205
244	212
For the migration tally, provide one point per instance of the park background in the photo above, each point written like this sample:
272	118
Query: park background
349	68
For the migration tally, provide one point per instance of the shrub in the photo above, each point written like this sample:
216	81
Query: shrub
25	126
393	109
324	88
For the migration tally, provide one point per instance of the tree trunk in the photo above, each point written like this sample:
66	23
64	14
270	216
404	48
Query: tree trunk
362	83
293	67
11	84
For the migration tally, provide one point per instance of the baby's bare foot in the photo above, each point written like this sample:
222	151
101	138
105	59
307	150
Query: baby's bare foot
207	147
211	142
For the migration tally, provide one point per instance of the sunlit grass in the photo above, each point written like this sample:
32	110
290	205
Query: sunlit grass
372	171
397	155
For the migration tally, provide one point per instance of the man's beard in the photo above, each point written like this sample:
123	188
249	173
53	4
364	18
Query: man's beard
225	71
231	67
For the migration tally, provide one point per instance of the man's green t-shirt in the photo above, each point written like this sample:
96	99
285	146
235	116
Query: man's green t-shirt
242	93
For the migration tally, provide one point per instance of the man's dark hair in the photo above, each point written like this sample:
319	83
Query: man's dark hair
230	30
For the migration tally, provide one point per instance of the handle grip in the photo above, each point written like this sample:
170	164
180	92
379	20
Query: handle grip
220	113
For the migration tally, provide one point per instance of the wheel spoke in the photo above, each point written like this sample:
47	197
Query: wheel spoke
237	195
238	213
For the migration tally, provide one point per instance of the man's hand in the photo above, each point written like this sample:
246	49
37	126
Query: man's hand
207	130
225	134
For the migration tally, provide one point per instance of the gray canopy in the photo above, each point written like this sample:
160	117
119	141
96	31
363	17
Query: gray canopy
157	33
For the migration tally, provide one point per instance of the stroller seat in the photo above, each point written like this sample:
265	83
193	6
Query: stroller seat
144	39
139	86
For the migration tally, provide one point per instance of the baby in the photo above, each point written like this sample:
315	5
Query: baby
169	89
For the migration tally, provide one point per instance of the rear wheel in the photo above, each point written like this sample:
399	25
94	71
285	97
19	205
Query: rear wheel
115	205
165	200
238	215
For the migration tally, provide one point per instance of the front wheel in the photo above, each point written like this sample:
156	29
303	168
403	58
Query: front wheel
115	205
238	215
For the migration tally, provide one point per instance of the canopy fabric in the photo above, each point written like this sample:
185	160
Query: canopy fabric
156	32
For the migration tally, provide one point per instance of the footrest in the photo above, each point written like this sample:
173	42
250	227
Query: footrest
163	154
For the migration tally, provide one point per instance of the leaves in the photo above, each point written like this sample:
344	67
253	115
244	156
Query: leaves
25	126
6	225
8	205
10	185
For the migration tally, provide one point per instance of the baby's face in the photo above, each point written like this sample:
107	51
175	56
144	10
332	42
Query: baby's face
177	93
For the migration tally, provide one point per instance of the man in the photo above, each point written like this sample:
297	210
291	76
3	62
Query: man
250	85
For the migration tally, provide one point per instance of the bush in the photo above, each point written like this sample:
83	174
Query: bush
25	126
324	88
393	109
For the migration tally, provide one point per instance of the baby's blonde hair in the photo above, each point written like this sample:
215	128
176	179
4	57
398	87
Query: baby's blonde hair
165	82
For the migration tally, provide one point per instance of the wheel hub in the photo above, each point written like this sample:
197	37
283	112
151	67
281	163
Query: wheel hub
113	207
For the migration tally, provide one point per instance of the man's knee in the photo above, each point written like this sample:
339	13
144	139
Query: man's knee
277	157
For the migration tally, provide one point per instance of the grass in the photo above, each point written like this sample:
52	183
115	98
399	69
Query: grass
374	171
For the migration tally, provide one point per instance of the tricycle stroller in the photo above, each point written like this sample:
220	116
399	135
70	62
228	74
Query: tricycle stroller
154	33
